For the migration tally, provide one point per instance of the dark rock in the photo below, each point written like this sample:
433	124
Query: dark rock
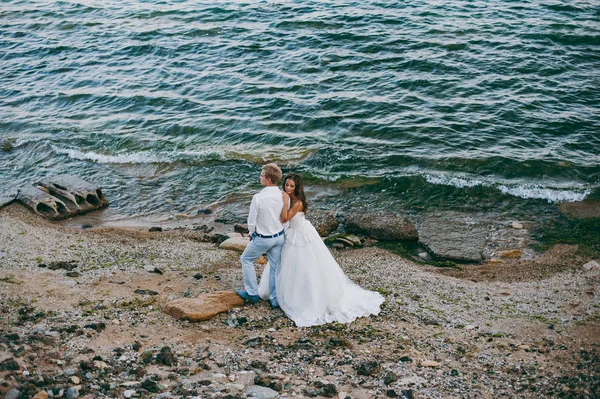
198	276
276	386
150	385
73	274
166	357
157	271
368	368
9	365
136	346
145	292
389	378
147	357
96	326
328	390
205	382
408	393
86	226
155	228
390	393
42	265
311	393
257	341
257	364
382	226
218	238
304	343
454	236
262	380
204	211
241	228
14	337
19	352
62	265
405	359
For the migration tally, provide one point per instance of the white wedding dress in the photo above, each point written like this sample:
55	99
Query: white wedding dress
312	289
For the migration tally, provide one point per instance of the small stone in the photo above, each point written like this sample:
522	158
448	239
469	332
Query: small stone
72	393
517	225
128	393
429	363
389	378
259	392
155	228
41	395
13	393
368	368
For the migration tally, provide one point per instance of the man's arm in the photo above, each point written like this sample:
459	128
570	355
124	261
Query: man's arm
252	216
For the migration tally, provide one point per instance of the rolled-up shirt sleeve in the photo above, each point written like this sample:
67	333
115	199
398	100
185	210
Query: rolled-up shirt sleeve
253	215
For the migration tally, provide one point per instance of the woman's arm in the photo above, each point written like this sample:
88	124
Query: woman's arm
287	214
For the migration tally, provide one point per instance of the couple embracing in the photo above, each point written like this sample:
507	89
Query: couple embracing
301	277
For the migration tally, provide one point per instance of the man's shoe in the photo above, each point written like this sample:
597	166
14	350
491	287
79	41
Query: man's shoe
274	305
247	297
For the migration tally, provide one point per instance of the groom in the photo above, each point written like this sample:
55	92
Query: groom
266	234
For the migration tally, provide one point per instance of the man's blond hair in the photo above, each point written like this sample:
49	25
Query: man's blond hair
272	172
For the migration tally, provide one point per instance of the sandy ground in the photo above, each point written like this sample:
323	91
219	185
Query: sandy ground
520	329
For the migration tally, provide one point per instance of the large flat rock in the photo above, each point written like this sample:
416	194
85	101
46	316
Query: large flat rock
6	200
235	243
581	209
380	226
454	236
204	306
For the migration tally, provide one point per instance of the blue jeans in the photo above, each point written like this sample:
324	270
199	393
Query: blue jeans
256	247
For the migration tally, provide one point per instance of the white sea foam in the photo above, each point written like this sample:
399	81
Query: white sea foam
460	182
527	191
125	158
546	193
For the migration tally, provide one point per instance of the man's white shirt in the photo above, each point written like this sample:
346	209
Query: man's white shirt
265	212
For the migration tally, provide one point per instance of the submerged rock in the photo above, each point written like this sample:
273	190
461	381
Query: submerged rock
453	236
62	196
385	226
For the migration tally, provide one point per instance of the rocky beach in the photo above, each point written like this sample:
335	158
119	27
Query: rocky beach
81	316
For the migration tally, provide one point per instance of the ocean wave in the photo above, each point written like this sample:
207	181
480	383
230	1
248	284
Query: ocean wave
125	158
546	193
526	191
460	182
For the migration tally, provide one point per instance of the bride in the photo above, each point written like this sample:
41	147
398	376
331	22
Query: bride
312	289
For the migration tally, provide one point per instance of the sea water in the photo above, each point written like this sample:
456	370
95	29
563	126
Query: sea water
413	106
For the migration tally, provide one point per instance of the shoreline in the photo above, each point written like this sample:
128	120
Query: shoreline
441	332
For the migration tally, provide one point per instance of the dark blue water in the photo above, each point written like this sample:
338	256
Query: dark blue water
173	105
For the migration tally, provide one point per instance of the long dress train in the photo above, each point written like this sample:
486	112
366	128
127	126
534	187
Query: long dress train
312	289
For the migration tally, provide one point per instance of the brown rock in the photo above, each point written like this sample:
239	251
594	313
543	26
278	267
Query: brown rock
204	306
41	395
511	254
581	209
235	243
324	221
